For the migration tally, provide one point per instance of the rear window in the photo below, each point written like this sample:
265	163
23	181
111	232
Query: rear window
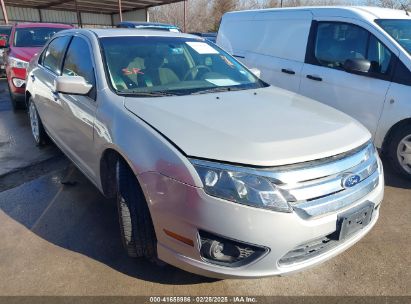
34	37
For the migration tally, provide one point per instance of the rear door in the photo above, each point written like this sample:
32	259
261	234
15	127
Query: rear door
324	79
77	112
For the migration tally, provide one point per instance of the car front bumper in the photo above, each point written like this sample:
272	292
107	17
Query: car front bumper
184	210
19	73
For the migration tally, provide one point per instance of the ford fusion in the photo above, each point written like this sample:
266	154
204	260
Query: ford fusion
213	170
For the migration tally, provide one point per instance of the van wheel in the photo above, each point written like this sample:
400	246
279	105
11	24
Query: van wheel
399	151
36	125
137	231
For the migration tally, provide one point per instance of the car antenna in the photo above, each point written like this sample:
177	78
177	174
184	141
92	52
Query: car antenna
405	9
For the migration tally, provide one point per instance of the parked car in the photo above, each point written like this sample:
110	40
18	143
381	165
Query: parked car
209	36
26	39
214	171
5	31
149	26
356	59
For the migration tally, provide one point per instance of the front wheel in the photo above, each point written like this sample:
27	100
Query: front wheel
36	125
137	231
399	150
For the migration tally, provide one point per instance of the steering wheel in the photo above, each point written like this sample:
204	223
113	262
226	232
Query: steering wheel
196	69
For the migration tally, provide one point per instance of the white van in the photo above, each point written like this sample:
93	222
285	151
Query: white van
355	59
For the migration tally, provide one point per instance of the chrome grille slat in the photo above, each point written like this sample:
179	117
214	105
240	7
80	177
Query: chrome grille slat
327	185
338	200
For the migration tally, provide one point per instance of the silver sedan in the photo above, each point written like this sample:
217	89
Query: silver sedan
214	171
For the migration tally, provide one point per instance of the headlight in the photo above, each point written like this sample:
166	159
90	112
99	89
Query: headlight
240	187
18	83
18	63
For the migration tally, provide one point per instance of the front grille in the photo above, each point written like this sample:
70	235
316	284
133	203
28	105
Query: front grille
313	197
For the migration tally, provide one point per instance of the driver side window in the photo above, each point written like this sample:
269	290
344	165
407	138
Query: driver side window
337	42
78	60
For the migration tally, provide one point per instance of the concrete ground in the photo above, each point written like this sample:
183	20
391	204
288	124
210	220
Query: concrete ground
63	239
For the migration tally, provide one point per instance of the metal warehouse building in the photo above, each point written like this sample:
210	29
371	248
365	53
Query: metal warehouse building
86	13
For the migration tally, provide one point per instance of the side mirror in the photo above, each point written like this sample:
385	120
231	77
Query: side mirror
256	72
357	66
75	85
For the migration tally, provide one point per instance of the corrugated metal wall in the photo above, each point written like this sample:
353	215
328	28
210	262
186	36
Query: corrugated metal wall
58	16
138	15
19	14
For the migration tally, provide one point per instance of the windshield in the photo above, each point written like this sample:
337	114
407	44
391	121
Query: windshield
34	37
399	29
5	31
158	66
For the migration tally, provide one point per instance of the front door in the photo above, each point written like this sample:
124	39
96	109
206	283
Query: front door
78	111
324	78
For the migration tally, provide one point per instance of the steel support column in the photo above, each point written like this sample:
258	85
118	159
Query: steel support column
185	17
79	21
120	14
3	8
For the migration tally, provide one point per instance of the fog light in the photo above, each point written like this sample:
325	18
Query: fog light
18	83
221	251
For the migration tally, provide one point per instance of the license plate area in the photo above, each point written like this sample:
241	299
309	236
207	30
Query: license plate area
354	220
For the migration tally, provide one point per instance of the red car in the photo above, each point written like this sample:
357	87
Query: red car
26	40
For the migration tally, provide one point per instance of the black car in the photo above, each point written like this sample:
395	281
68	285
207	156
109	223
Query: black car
209	36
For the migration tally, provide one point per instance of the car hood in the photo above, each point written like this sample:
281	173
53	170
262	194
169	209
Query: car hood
24	53
264	127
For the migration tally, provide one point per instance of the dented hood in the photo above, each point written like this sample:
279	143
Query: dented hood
263	127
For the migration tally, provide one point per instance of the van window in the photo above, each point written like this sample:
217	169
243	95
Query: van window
337	42
379	56
402	74
54	53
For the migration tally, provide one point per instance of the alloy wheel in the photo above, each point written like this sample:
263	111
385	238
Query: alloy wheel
404	153
34	122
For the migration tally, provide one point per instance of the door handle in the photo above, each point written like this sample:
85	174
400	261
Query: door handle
32	77
316	78
287	71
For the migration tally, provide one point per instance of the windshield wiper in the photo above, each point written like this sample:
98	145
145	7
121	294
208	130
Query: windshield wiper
217	90
147	94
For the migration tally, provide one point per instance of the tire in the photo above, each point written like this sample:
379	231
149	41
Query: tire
399	151
37	129
137	231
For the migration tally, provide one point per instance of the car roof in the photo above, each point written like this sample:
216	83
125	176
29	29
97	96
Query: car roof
135	23
42	24
358	12
123	32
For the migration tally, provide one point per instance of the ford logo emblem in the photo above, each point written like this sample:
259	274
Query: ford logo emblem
350	180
